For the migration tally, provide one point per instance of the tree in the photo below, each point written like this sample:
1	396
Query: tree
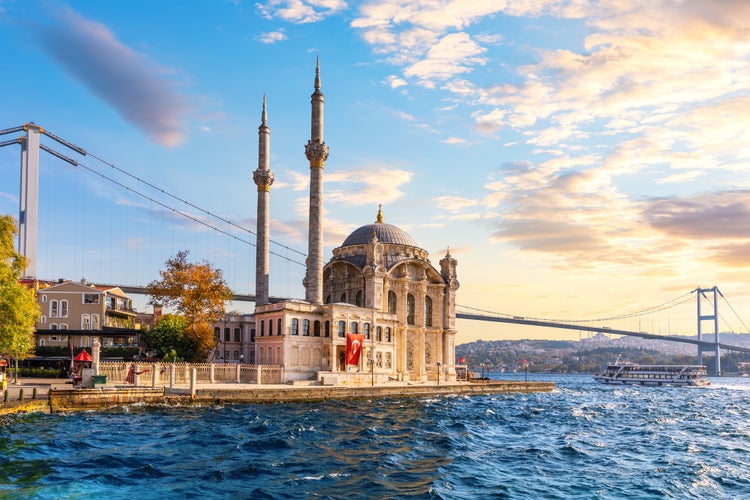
19	310
198	292
170	340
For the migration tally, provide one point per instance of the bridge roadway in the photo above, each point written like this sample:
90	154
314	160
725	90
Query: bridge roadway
707	346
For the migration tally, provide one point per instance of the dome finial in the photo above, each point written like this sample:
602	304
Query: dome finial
379	220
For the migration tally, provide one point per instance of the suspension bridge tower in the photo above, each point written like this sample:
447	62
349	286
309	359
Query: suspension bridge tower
701	296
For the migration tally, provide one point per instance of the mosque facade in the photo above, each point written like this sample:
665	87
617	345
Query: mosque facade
378	295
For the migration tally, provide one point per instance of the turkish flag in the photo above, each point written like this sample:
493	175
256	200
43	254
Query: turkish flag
353	347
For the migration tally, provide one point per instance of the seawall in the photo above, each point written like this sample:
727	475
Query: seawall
68	399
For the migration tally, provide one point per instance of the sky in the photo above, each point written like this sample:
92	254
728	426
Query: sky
579	159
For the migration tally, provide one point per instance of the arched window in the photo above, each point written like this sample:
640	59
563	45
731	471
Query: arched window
355	327
316	328
328	299
262	328
379	333
342	328
63	308
410	309
343	298
387	333
366	330
270	328
391	301
327	329
427	311
295	326
95	322
85	322
53	304
278	326
306	327
358	299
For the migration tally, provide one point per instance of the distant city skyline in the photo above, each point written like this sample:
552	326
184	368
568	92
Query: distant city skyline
579	159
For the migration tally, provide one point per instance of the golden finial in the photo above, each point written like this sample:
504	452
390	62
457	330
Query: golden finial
379	220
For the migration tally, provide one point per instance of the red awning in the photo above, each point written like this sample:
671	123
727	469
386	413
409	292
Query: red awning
83	356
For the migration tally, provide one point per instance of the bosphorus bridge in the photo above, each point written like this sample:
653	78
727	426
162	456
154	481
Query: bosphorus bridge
172	223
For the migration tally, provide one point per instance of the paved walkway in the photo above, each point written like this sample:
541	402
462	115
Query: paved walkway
28	385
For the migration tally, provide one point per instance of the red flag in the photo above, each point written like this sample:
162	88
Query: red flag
353	347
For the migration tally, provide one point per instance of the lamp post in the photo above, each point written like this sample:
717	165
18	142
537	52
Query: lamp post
372	370
438	373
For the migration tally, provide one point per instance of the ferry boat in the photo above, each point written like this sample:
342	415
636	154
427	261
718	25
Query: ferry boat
655	375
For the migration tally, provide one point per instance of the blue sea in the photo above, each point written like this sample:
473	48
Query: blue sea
584	440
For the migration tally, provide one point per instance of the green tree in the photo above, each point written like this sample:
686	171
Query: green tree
170	340
196	291
19	310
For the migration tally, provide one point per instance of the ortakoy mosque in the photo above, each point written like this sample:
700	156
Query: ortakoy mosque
379	284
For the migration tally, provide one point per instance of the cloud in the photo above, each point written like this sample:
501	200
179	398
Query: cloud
366	185
452	55
300	11
272	37
455	140
141	92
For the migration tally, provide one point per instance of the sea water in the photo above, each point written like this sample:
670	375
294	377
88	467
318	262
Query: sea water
583	440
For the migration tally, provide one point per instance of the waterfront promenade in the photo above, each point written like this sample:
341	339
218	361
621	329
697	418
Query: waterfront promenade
58	395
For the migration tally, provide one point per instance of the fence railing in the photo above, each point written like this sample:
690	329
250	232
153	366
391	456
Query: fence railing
178	374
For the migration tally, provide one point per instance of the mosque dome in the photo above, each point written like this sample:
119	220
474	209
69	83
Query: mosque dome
386	233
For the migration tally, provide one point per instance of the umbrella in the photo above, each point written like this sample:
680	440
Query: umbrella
83	356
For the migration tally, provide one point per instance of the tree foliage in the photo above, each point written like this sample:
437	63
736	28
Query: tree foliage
170	340
198	292
18	308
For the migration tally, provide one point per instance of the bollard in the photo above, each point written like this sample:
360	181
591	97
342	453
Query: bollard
193	381
5	396
20	394
33	394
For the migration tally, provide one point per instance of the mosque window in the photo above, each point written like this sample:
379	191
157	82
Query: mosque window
366	330
388	360
270	328
355	327
306	327
328	299
278	326
391	301
343	298
295	326
342	328
358	299
262	328
316	329
410	309
379	333
427	311
387	333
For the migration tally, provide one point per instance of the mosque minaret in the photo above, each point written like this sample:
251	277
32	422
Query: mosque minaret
317	153
263	178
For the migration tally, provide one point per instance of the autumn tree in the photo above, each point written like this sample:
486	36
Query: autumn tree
170	340
196	291
18	308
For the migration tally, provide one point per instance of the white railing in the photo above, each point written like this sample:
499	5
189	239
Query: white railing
178	374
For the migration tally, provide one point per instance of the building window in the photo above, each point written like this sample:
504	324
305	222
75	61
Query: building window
63	326
379	359
366	330
410	309
227	334
53	326
237	335
427	311
358	298
90	298
355	327
379	333
343	298
43	319
295	326
342	328
85	322
306	327
391	302
226	354
388	361
328	299
217	333
262	328
63	308
278	326
316	329
327	329
252	335
95	322
53	305
44	298
387	333
270	328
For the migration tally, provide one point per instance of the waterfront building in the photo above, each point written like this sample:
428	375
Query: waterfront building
379	285
74	314
235	335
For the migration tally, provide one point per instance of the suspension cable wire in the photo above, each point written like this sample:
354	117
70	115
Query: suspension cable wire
226	221
661	307
181	213
735	313
723	319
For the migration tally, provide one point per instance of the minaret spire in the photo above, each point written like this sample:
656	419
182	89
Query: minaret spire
263	178
316	152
